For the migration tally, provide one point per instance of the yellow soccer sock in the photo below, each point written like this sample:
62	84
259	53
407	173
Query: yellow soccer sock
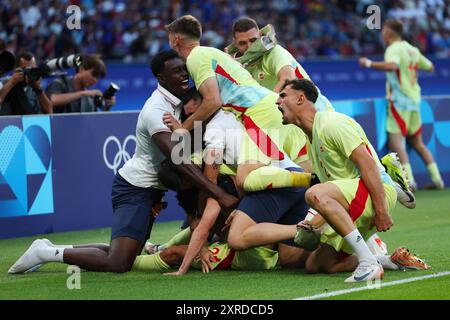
408	169
433	170
273	177
181	237
149	263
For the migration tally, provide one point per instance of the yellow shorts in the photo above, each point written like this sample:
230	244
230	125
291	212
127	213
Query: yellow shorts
406	122
360	210
259	258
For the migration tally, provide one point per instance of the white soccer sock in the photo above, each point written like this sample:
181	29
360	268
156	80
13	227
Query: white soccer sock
51	254
387	263
360	247
51	244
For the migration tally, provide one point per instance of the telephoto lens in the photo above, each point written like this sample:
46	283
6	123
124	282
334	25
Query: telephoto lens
73	60
111	91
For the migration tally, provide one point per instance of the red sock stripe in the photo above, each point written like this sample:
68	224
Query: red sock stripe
261	139
302	151
358	204
398	119
222	72
418	132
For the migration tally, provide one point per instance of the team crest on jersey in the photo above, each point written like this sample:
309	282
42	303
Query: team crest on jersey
261	76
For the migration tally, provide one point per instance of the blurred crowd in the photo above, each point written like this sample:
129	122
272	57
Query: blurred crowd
133	30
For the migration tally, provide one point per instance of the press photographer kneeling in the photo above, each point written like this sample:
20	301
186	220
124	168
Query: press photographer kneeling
21	93
70	94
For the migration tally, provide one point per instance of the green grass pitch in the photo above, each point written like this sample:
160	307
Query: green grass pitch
425	230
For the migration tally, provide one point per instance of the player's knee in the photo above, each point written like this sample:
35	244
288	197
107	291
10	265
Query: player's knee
119	265
172	256
313	196
235	242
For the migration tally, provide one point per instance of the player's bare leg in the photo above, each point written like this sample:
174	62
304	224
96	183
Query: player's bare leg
327	199
244	170
245	233
292	257
119	258
416	142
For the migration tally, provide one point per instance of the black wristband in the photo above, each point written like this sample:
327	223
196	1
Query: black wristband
314	179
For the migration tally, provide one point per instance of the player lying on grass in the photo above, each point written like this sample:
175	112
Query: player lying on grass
246	230
216	255
136	187
222	138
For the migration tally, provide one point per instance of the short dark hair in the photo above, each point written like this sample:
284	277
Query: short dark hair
244	24
187	25
158	62
94	62
26	55
395	25
191	94
307	86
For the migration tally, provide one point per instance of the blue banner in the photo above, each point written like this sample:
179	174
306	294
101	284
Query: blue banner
338	80
56	171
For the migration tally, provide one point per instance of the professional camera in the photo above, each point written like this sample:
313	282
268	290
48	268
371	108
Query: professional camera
51	67
99	101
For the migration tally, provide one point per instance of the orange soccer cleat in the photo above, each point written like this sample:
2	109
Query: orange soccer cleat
406	260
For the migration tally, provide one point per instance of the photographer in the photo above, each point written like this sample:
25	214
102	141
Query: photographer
20	95
70	94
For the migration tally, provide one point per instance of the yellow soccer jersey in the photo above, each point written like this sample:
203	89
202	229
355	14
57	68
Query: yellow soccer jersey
334	137
402	85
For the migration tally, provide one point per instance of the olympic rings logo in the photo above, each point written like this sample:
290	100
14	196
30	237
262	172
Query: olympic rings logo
122	153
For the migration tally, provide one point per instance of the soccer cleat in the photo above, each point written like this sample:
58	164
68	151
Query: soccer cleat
307	237
406	260
30	260
406	198
397	172
395	169
366	272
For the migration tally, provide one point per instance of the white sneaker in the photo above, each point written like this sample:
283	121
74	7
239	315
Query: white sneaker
30	260
366	272
405	197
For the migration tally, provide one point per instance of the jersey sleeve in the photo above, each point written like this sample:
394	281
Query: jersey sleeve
215	135
344	136
424	62
392	55
153	120
199	65
277	59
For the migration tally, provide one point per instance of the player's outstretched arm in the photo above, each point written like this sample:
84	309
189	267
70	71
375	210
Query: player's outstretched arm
194	174
371	177
378	65
211	102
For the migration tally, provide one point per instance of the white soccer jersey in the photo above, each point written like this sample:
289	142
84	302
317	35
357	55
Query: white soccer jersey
142	169
224	132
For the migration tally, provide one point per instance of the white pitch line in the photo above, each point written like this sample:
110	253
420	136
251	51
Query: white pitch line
383	284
